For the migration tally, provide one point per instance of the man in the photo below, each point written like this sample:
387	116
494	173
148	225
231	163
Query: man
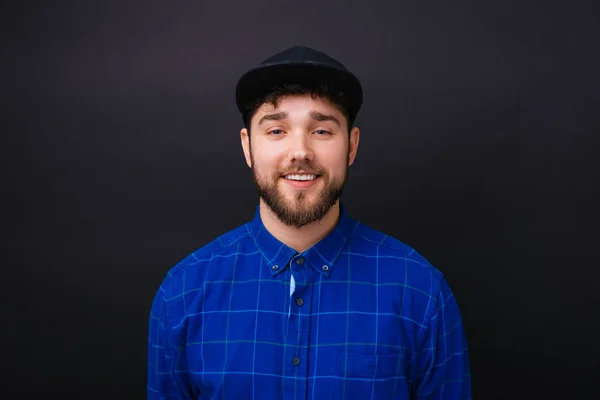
304	302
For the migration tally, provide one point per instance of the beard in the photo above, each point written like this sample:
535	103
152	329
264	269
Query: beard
299	210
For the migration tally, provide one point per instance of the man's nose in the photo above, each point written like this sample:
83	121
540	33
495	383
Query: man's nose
300	148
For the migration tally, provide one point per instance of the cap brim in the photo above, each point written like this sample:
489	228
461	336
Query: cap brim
257	81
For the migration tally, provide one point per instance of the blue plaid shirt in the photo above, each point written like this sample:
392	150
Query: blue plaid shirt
360	315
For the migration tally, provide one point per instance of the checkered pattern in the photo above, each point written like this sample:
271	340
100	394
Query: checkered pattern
368	318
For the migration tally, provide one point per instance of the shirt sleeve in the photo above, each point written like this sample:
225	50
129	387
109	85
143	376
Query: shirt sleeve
443	362
167	372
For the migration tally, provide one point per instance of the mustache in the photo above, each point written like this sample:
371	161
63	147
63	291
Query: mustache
304	166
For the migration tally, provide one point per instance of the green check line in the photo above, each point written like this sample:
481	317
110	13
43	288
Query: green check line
295	346
182	294
450	330
227	283
383	284
318	283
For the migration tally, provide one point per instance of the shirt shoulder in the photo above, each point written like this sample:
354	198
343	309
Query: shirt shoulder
401	263
385	245
198	258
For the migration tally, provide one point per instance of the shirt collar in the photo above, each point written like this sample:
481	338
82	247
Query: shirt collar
321	256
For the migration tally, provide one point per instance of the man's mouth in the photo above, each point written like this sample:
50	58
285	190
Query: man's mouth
300	177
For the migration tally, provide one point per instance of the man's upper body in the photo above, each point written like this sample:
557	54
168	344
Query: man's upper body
365	317
303	301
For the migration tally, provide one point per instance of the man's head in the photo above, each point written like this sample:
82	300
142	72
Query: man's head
299	140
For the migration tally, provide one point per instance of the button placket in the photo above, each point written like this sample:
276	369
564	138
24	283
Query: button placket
298	328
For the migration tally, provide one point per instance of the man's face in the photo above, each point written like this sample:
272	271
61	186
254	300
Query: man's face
299	154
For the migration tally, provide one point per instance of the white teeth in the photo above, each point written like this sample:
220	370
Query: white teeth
301	177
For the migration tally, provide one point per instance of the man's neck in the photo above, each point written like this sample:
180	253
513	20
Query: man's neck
299	239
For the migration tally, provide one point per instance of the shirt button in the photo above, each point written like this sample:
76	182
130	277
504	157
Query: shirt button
300	302
300	261
275	267
325	268
296	361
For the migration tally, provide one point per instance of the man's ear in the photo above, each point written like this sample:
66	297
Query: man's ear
245	138
353	145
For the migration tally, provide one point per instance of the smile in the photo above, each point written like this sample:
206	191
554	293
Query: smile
300	177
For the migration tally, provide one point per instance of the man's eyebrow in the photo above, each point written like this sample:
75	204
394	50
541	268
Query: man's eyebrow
278	116
324	117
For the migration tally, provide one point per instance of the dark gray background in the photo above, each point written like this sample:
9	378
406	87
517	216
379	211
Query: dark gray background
121	155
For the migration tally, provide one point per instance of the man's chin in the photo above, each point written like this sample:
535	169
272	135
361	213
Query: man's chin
293	204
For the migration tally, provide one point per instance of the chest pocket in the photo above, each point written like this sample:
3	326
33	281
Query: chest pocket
368	366
367	376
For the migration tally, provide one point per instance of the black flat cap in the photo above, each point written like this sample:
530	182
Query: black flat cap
295	65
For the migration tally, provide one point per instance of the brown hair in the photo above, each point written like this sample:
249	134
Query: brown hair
316	89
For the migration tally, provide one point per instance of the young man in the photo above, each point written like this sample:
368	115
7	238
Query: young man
304	302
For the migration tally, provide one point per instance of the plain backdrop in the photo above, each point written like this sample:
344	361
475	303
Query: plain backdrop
121	155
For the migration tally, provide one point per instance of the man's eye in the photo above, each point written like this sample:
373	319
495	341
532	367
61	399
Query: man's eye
322	132
276	132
